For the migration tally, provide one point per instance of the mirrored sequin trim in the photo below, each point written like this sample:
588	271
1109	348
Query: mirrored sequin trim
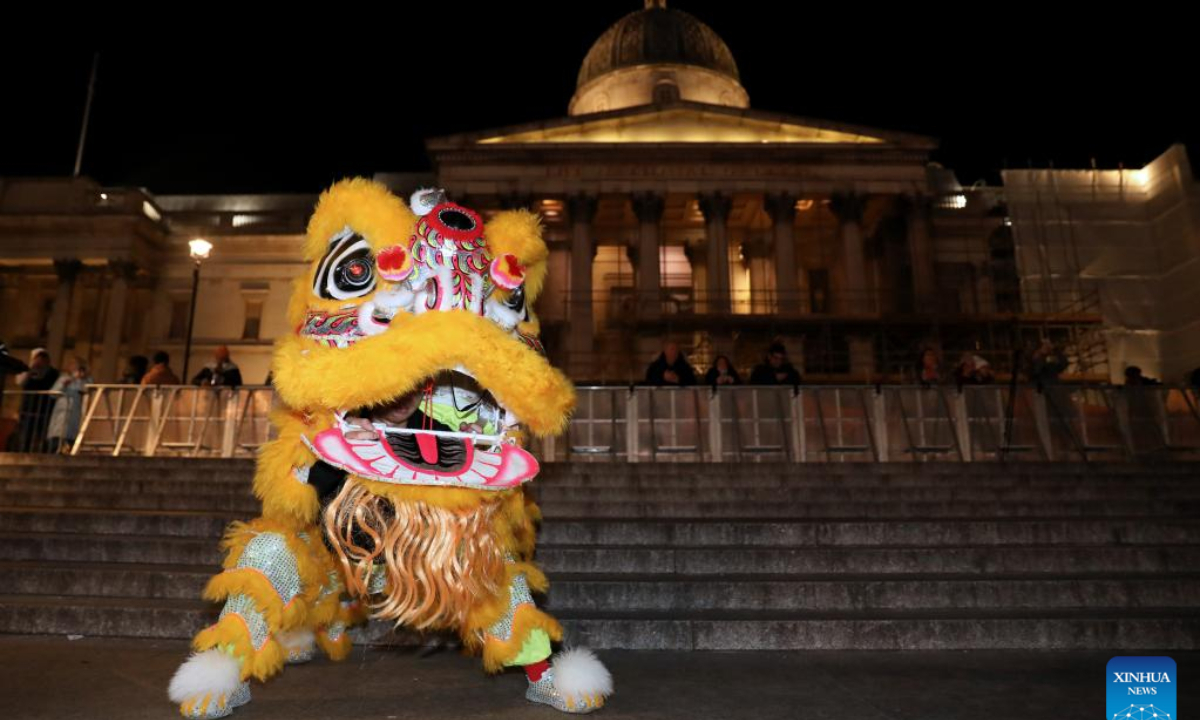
331	586
240	696
518	595
269	554
543	692
242	605
335	630
301	473
213	710
299	655
378	582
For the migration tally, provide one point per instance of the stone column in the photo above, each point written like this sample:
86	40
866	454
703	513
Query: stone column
582	209
715	207
855	297
648	206
122	274
849	208
758	256
781	207
920	248
697	256
67	271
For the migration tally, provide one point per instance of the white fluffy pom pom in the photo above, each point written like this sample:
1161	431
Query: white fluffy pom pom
579	673
211	671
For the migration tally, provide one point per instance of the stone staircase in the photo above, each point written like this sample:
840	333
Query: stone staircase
683	556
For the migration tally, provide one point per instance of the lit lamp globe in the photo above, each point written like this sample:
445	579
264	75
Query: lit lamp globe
199	249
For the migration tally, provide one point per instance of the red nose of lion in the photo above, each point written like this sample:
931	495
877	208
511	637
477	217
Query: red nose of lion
507	272
395	263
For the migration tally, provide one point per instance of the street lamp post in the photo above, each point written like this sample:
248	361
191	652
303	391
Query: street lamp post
199	249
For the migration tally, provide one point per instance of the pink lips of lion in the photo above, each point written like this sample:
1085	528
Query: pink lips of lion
507	467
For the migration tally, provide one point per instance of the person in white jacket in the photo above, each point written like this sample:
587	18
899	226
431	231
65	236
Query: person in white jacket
67	415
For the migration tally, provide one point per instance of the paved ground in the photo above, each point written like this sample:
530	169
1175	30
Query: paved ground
52	677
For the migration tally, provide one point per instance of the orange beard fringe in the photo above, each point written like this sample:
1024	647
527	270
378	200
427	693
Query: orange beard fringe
439	563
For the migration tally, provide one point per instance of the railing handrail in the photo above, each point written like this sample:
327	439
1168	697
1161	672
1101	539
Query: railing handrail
1083	385
702	422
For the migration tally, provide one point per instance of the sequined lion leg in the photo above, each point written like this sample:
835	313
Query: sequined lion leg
272	577
333	615
574	681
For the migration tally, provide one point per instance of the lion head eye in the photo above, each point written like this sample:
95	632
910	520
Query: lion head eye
348	269
516	300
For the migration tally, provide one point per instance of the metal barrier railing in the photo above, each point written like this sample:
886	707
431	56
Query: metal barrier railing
174	420
977	423
700	424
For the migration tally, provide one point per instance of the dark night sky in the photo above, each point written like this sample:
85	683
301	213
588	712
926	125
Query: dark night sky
1000	84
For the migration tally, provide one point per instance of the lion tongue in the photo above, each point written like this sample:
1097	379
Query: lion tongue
428	447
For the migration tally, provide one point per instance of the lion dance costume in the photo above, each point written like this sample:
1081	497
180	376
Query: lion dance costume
394	489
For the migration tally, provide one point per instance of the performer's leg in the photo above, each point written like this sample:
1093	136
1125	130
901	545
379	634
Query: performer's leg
573	681
334	615
273	578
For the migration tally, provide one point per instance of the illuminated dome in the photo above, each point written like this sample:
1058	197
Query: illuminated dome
657	55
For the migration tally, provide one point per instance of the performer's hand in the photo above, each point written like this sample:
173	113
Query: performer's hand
366	430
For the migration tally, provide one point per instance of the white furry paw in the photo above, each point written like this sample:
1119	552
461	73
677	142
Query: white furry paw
299	645
576	682
208	685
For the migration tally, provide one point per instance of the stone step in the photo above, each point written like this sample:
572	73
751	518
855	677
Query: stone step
125	461
99	579
843	592
111	486
174	523
616	475
739	479
874	561
685	560
239	503
244	504
1151	511
708	532
666	489
584	466
77	547
1064	494
930	533
182	472
570	592
1032	628
1098	491
1099	629
610	472
104	616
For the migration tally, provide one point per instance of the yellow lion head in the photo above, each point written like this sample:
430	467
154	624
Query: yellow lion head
415	353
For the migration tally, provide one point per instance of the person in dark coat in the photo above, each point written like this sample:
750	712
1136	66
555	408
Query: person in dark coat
221	372
775	369
35	408
9	365
1047	363
722	372
670	368
135	370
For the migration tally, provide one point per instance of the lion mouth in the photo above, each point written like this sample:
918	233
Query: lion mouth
450	430
432	426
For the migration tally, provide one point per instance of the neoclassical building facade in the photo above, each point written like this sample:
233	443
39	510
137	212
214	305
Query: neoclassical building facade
675	210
